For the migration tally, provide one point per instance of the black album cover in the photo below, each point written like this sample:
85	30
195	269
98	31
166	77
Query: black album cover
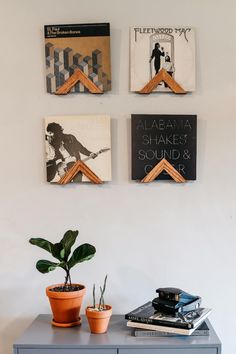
157	136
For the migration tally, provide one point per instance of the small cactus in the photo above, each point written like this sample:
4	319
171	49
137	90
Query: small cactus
101	304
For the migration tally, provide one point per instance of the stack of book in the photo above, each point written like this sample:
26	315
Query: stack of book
147	321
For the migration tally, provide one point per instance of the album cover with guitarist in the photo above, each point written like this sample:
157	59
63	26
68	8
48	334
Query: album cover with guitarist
72	138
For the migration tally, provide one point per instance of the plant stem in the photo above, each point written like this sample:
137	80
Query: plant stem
94	299
67	277
100	301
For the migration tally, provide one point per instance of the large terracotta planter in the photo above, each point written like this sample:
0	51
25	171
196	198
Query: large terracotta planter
98	320
65	305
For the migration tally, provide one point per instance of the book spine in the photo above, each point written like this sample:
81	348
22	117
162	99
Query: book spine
204	332
150	333
147	326
158	322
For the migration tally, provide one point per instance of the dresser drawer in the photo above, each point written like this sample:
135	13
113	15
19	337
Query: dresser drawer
170	351
67	351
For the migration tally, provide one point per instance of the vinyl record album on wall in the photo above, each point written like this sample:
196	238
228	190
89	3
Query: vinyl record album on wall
158	136
70	139
78	47
153	48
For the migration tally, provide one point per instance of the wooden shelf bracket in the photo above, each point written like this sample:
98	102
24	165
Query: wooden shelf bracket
77	76
162	75
79	166
163	165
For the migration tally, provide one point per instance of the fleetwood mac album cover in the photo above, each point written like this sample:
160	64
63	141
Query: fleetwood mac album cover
154	48
71	47
72	138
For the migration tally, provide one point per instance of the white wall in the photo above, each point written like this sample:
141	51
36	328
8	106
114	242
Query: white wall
163	234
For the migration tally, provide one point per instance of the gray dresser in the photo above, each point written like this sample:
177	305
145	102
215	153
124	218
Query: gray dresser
42	338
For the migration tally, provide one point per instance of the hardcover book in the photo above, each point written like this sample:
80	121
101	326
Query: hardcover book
153	48
69	139
146	314
165	329
72	47
202	330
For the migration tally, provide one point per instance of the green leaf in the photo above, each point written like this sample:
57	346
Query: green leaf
68	241
62	265
57	251
45	266
42	243
82	253
62	253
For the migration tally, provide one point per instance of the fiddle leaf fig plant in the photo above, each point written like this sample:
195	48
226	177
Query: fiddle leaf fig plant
62	252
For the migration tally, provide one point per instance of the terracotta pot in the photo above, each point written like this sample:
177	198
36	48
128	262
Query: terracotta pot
65	305
98	320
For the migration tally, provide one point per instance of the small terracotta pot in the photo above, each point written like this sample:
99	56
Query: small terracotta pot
98	320
65	305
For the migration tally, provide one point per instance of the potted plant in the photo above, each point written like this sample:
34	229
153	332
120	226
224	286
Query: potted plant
65	299
99	314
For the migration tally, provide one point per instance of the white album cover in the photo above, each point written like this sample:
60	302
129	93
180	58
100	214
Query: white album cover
72	138
170	48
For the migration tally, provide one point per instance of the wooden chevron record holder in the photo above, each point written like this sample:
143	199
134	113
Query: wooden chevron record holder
163	165
80	167
74	79
162	75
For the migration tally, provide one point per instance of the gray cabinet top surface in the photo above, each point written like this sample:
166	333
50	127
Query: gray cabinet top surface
41	334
